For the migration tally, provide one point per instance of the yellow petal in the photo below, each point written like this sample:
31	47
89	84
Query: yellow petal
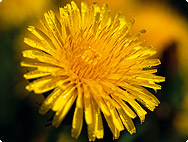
40	56
112	127
150	63
63	98
84	14
127	122
35	74
43	37
38	83
54	27
35	64
98	130
139	110
127	110
87	106
38	45
47	104
146	98
77	121
151	77
115	117
98	95
131	100
45	84
60	115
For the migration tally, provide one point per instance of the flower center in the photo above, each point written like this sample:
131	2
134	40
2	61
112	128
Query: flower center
91	56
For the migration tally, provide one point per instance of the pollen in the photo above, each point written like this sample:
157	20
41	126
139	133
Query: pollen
91	56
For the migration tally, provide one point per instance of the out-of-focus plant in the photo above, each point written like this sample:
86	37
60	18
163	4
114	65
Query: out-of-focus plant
181	119
15	12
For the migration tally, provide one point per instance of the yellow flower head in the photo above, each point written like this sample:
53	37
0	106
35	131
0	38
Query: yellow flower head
92	59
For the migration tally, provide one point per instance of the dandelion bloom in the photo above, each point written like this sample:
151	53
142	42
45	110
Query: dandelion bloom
92	59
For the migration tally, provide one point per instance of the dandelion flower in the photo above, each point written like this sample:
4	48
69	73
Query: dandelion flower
90	58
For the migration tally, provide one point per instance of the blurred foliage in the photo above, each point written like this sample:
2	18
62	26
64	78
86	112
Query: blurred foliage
14	13
166	23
